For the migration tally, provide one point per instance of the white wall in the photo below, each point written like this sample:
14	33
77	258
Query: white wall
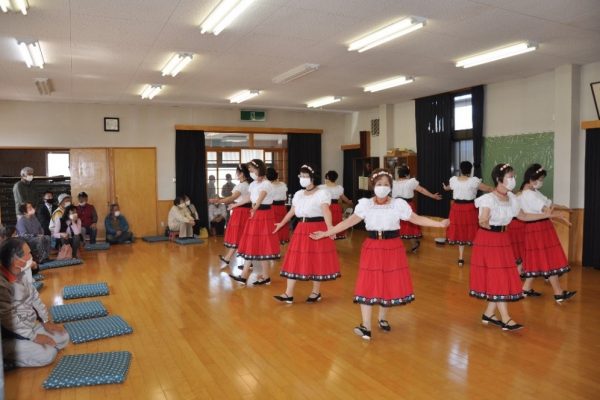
405	126
33	124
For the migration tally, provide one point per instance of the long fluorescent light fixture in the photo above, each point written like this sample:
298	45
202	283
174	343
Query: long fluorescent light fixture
497	54
295	73
243	96
388	33
150	91
323	101
14	5
177	63
223	15
32	54
388	83
44	86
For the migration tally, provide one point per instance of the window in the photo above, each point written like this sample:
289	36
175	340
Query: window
463	112
462	134
58	164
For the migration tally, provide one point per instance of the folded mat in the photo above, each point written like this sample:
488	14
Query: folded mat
60	263
189	241
97	328
97	246
85	290
77	311
89	369
154	239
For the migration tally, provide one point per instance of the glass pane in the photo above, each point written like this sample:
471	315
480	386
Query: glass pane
461	151
215	139
230	157
58	164
250	154
463	112
268	141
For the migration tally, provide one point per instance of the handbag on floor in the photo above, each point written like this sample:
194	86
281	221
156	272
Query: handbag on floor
65	252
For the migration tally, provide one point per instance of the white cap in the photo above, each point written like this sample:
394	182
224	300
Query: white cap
62	196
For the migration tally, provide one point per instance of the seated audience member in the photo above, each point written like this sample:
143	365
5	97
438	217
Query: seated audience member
180	220
87	215
217	213
117	228
193	212
29	339
29	228
68	230
44	212
64	201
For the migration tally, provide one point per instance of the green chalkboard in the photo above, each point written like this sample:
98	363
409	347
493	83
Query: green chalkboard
520	151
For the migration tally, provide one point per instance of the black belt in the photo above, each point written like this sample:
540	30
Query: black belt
264	207
311	219
279	202
334	201
496	228
380	235
457	201
539	220
246	205
406	200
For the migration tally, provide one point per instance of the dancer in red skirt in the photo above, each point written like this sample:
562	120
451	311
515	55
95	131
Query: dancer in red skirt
383	276
543	254
404	188
494	276
239	204
337	195
464	220
279	197
516	232
307	260
258	243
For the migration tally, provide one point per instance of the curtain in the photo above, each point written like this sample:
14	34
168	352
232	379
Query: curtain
477	103
190	170
434	119
303	148
591	222
349	156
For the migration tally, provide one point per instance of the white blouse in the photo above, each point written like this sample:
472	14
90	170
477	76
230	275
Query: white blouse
265	186
242	189
533	201
464	189
404	188
334	191
501	212
309	206
383	217
279	191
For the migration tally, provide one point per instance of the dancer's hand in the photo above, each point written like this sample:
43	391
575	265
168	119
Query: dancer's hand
278	226
444	223
318	235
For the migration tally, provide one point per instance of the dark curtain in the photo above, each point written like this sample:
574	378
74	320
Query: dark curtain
190	170
349	156
591	221
303	148
434	119
477	103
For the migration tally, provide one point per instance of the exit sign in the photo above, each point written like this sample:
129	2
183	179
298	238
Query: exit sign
253	115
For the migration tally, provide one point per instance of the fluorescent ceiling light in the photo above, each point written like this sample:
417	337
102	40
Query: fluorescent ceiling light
388	83
323	101
14	5
388	33
32	54
497	54
296	73
44	86
243	96
223	15
177	63
150	91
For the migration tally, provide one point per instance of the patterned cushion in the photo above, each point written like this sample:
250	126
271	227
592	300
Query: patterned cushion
89	369
75	311
38	285
154	239
60	263
189	241
39	277
97	328
85	290
97	246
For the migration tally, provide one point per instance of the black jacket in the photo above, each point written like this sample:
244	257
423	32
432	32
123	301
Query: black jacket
44	216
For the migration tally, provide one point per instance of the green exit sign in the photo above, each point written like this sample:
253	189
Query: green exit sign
253	115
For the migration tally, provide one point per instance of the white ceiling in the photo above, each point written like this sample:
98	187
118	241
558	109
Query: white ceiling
107	50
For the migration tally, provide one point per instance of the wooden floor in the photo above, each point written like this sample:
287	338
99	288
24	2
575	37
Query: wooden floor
198	335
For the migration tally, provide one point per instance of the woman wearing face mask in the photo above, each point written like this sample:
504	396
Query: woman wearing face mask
337	195
239	204
383	276
543	254
307	260
29	228
279	197
68	230
259	244
180	220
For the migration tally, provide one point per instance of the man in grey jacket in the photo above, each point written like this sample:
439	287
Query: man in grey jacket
28	338
24	191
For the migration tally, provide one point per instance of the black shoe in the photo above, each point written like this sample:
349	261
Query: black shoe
461	262
362	332
566	295
515	327
284	299
262	282
238	279
531	293
417	245
383	324
489	320
223	259
241	266
314	299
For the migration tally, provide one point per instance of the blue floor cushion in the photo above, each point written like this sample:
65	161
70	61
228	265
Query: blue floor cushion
38	277
97	246
77	311
154	239
38	285
89	369
189	241
85	290
60	263
97	328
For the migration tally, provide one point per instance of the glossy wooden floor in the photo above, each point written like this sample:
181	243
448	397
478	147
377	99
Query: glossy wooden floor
198	335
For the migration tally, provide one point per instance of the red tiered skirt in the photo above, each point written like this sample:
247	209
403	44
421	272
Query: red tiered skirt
258	241
543	254
310	260
336	218
464	223
516	231
408	230
279	212
494	276
383	275
235	227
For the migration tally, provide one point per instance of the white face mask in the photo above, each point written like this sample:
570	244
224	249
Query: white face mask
181	205
67	204
253	176
31	212
382	191
510	183
304	182
117	213
82	203
29	178
27	265
187	203
538	184
73	217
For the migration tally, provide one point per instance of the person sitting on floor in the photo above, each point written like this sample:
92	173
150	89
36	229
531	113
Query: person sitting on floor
180	220
64	201
89	217
217	214
68	230
44	211
117	228
29	339
193	212
30	229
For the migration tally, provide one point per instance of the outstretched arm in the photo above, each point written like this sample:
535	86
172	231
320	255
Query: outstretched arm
423	191
342	226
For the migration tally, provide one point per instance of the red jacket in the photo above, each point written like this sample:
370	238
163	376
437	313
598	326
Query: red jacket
87	215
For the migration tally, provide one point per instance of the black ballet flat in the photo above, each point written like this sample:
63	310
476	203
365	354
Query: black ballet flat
417	245
238	279
284	299
383	324
223	259
461	262
531	293
566	295
362	332
314	299
241	266
489	320
515	327
262	282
